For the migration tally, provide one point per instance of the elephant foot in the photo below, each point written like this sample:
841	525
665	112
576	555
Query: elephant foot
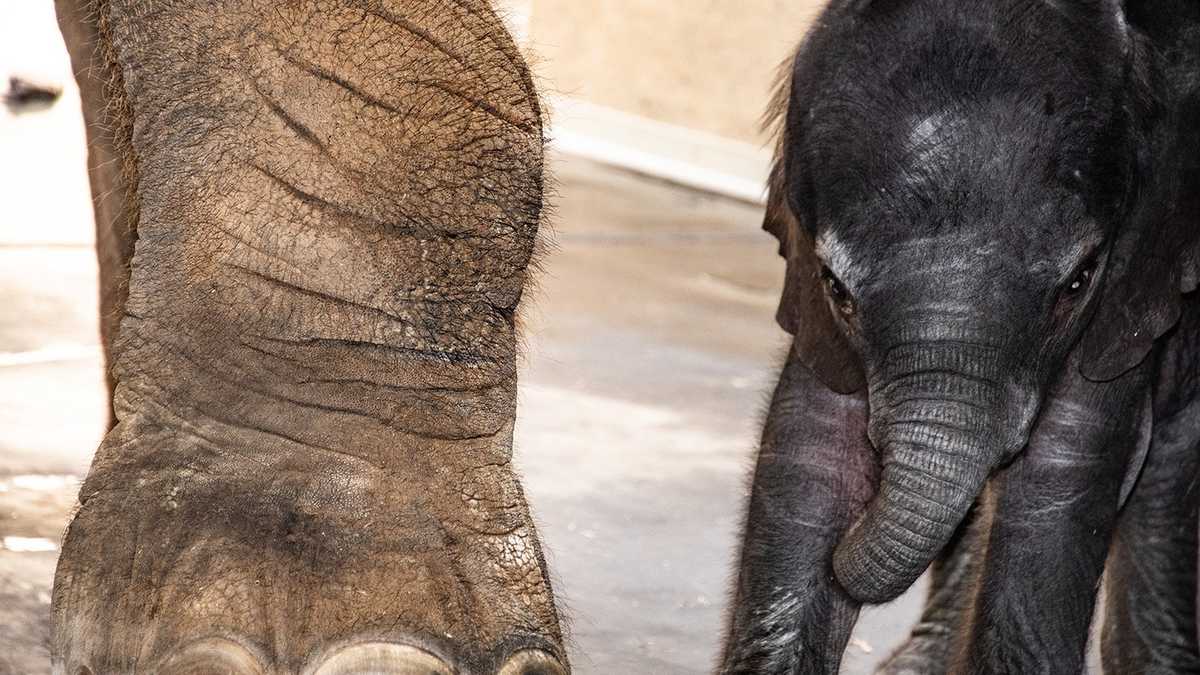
317	564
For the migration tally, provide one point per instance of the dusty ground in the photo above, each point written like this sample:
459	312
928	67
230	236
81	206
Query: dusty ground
650	352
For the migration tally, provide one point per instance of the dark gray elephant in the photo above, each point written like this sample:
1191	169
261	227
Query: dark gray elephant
315	219
990	212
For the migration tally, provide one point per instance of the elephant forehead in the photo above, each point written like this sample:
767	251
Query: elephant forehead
983	256
932	136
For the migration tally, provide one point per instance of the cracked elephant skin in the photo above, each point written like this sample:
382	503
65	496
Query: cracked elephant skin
315	219
990	213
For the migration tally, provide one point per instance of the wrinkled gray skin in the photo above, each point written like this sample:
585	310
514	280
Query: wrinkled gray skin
990	211
334	204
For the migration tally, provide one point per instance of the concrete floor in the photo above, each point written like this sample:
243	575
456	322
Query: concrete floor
649	355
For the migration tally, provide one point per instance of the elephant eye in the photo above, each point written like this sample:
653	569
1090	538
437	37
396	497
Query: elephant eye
1082	278
837	291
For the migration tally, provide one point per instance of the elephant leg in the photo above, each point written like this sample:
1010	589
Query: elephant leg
815	472
1150	587
1052	513
928	649
336	203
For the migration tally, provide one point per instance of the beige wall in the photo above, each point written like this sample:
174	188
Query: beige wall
702	64
516	15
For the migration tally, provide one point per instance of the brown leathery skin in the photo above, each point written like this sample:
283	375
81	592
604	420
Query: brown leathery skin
336	203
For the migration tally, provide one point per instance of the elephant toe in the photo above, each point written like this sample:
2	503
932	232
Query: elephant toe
382	658
532	662
385	658
208	656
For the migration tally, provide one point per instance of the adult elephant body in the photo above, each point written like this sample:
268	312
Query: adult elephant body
990	212
334	204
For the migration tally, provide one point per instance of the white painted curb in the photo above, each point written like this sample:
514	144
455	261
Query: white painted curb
693	158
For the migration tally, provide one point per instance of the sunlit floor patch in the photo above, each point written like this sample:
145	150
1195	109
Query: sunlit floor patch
39	483
52	354
27	544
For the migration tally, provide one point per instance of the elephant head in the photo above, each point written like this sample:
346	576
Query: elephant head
958	218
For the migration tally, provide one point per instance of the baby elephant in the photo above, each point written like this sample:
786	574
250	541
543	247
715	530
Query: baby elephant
990	211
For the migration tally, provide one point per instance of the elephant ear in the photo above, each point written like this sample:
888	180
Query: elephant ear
803	310
1141	300
1156	257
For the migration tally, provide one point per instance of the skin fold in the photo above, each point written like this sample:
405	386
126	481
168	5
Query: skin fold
989	212
335	204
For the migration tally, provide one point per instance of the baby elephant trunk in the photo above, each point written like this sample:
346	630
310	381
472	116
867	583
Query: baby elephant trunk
941	431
